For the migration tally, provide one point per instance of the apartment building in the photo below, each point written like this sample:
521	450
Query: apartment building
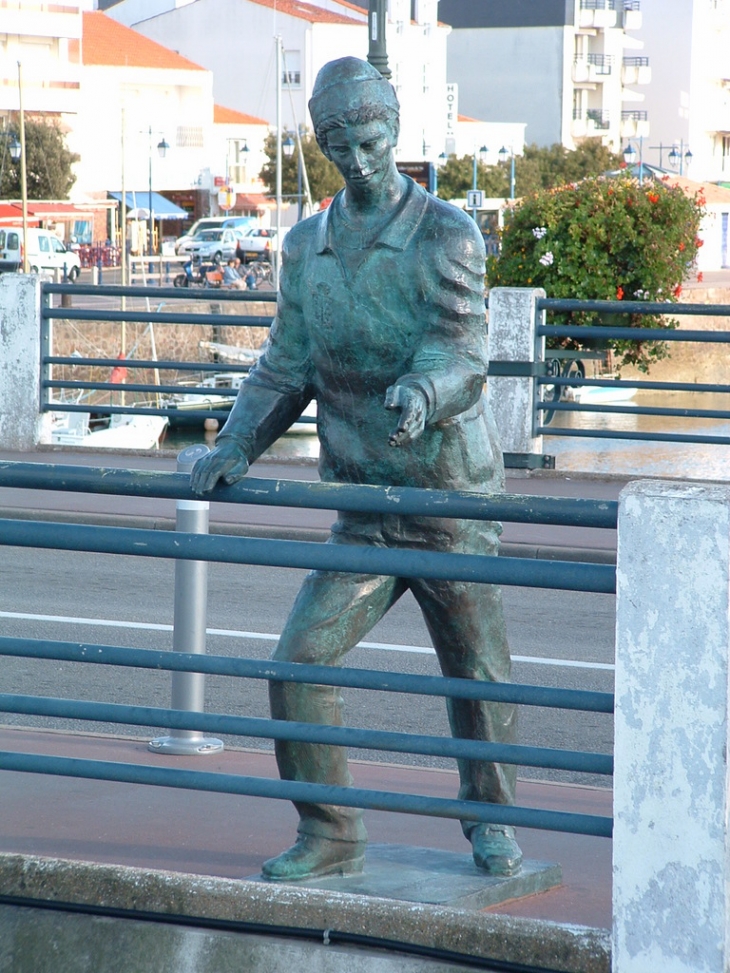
46	39
571	69
689	98
235	39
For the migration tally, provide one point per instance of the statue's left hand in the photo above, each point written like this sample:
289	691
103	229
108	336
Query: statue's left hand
412	421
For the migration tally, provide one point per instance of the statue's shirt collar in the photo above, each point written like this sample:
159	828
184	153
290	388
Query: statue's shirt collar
396	234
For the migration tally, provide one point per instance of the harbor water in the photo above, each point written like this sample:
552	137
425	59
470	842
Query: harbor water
625	457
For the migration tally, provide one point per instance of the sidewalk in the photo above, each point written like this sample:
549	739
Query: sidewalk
227	836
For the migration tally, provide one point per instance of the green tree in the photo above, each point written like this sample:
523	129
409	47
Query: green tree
456	177
324	179
48	162
603	239
538	168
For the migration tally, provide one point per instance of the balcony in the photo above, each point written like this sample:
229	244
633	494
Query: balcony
598	120
634	124
635	70
597	13
591	68
591	121
632	19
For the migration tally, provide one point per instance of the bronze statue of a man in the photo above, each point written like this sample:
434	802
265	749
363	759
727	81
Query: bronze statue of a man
380	311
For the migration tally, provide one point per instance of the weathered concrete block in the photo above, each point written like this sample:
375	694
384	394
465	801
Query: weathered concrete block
513	337
671	850
20	361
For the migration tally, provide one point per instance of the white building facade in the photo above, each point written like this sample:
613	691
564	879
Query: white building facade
46	39
689	99
570	69
210	31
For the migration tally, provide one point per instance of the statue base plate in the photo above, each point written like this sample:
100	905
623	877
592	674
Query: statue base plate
435	877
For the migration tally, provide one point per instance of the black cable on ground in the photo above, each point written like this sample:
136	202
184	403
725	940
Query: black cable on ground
324	936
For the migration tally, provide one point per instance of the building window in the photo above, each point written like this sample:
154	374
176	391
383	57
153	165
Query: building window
188	137
291	73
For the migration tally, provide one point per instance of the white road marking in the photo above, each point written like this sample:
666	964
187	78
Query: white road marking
268	637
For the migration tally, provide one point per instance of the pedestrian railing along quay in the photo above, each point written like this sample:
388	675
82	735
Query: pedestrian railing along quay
202	547
547	406
154	395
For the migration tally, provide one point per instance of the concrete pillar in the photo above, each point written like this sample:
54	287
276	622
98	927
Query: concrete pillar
20	360
671	897
513	338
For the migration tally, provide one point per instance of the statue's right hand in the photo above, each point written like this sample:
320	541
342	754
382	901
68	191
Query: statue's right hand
226	462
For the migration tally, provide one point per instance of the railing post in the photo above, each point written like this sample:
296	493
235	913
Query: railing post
20	362
191	595
671	844
513	319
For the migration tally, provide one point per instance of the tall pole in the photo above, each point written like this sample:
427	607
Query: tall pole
474	181
641	160
277	241
23	172
151	216
512	175
123	239
377	53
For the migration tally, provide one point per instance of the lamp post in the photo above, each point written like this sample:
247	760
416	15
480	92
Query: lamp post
504	154
377	53
480	155
629	154
439	162
162	148
680	157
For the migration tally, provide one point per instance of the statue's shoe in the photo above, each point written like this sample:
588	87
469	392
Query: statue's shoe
312	857
495	849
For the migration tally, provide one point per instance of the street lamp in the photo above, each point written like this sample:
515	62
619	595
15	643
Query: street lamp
439	162
504	154
162	148
678	157
629	154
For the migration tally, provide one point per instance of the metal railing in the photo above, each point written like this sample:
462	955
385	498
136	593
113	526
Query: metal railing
150	391
354	558
599	334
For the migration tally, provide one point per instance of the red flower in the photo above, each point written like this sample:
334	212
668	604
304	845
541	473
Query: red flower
653	198
619	293
677	290
681	247
700	276
699	243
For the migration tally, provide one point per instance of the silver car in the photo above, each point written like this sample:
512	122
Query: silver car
216	245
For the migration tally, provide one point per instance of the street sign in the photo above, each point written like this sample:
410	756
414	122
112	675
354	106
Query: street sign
226	198
474	199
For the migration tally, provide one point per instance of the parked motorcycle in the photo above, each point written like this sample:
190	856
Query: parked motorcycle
196	274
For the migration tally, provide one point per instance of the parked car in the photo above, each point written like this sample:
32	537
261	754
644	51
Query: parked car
216	245
45	252
185	242
259	242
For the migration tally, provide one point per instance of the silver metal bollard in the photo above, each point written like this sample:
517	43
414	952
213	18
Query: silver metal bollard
191	595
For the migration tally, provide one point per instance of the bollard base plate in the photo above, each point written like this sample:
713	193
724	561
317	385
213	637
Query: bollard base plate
181	747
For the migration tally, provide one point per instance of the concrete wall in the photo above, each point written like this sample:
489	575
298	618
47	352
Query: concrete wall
511	75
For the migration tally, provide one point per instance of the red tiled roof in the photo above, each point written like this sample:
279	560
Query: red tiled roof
229	116
107	42
466	118
307	11
711	191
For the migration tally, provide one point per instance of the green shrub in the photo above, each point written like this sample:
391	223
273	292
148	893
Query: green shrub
603	239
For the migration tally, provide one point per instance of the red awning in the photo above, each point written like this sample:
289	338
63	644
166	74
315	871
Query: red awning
11	214
253	201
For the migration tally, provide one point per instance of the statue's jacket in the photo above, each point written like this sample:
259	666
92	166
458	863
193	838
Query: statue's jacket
409	310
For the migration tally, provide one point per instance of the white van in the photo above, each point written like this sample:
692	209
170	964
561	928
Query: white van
46	252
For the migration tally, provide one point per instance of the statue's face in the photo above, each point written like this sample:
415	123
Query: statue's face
363	153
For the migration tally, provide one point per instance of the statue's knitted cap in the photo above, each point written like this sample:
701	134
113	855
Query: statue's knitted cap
348	83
